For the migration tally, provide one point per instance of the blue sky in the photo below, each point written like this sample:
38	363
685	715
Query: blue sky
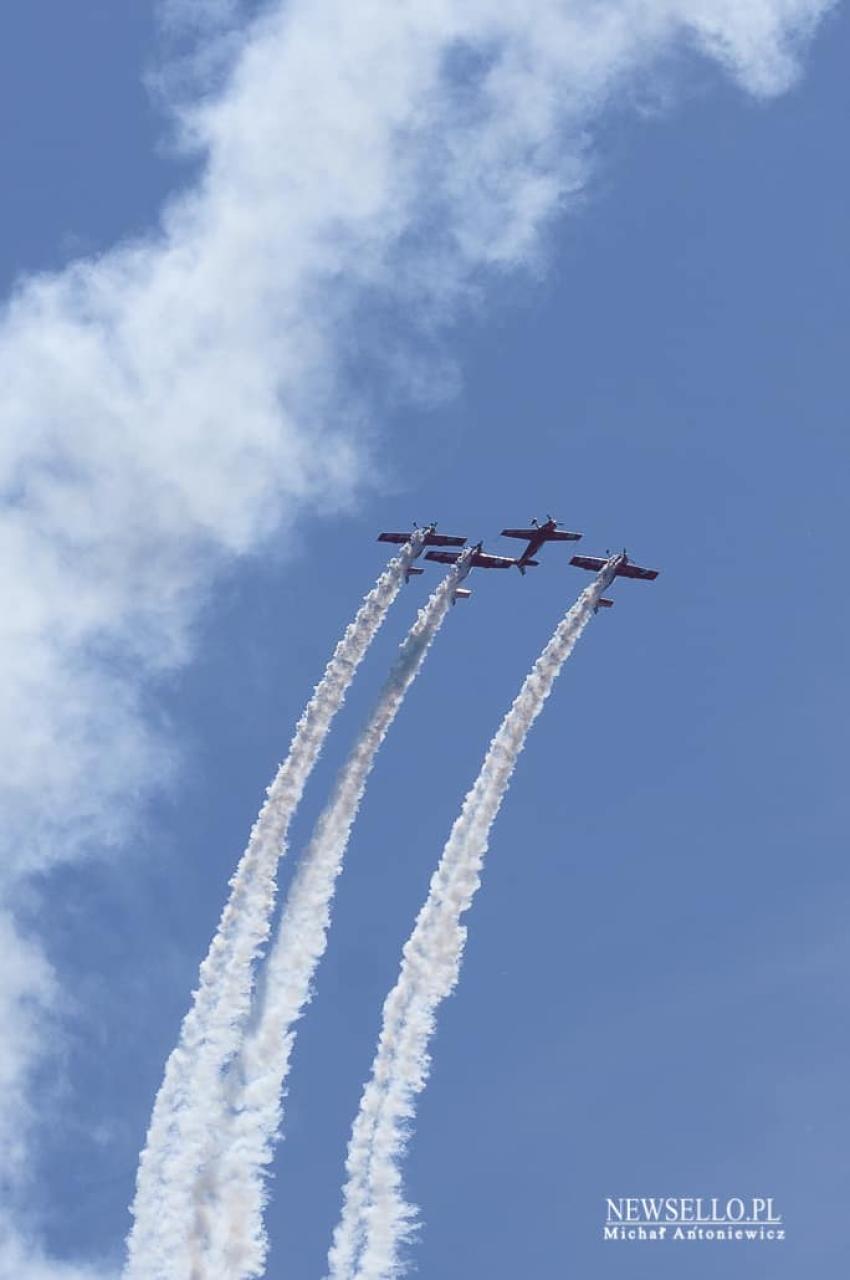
653	1000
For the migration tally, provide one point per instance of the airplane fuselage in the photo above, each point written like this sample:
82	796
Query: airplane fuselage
612	566
537	535
534	544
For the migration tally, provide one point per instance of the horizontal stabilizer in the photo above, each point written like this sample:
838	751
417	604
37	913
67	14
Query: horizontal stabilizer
414	569
604	603
462	593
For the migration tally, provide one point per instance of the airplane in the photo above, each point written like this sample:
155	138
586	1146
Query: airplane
539	533
479	559
430	539
616	566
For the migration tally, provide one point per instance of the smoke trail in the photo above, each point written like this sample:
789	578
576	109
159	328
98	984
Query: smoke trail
159	1244
375	1219
238	1241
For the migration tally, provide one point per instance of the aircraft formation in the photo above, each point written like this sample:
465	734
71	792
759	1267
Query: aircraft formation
535	537
209	1148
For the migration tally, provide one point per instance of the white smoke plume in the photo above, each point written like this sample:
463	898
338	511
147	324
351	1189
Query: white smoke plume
375	1219
185	1111
170	403
235	1187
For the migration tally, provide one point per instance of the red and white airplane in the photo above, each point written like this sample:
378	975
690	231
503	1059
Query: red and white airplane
430	539
536	536
611	567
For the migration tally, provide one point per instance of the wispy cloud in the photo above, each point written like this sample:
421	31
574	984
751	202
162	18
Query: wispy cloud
170	403
27	991
29	1000
21	1257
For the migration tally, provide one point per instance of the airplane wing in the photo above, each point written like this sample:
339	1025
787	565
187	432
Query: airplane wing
394	537
595	563
635	571
555	535
443	540
482	560
443	557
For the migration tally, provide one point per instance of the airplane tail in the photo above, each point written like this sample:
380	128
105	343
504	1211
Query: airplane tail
461	593
411	569
603	603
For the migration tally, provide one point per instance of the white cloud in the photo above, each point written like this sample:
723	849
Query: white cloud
21	1258
29	999
168	404
27	990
